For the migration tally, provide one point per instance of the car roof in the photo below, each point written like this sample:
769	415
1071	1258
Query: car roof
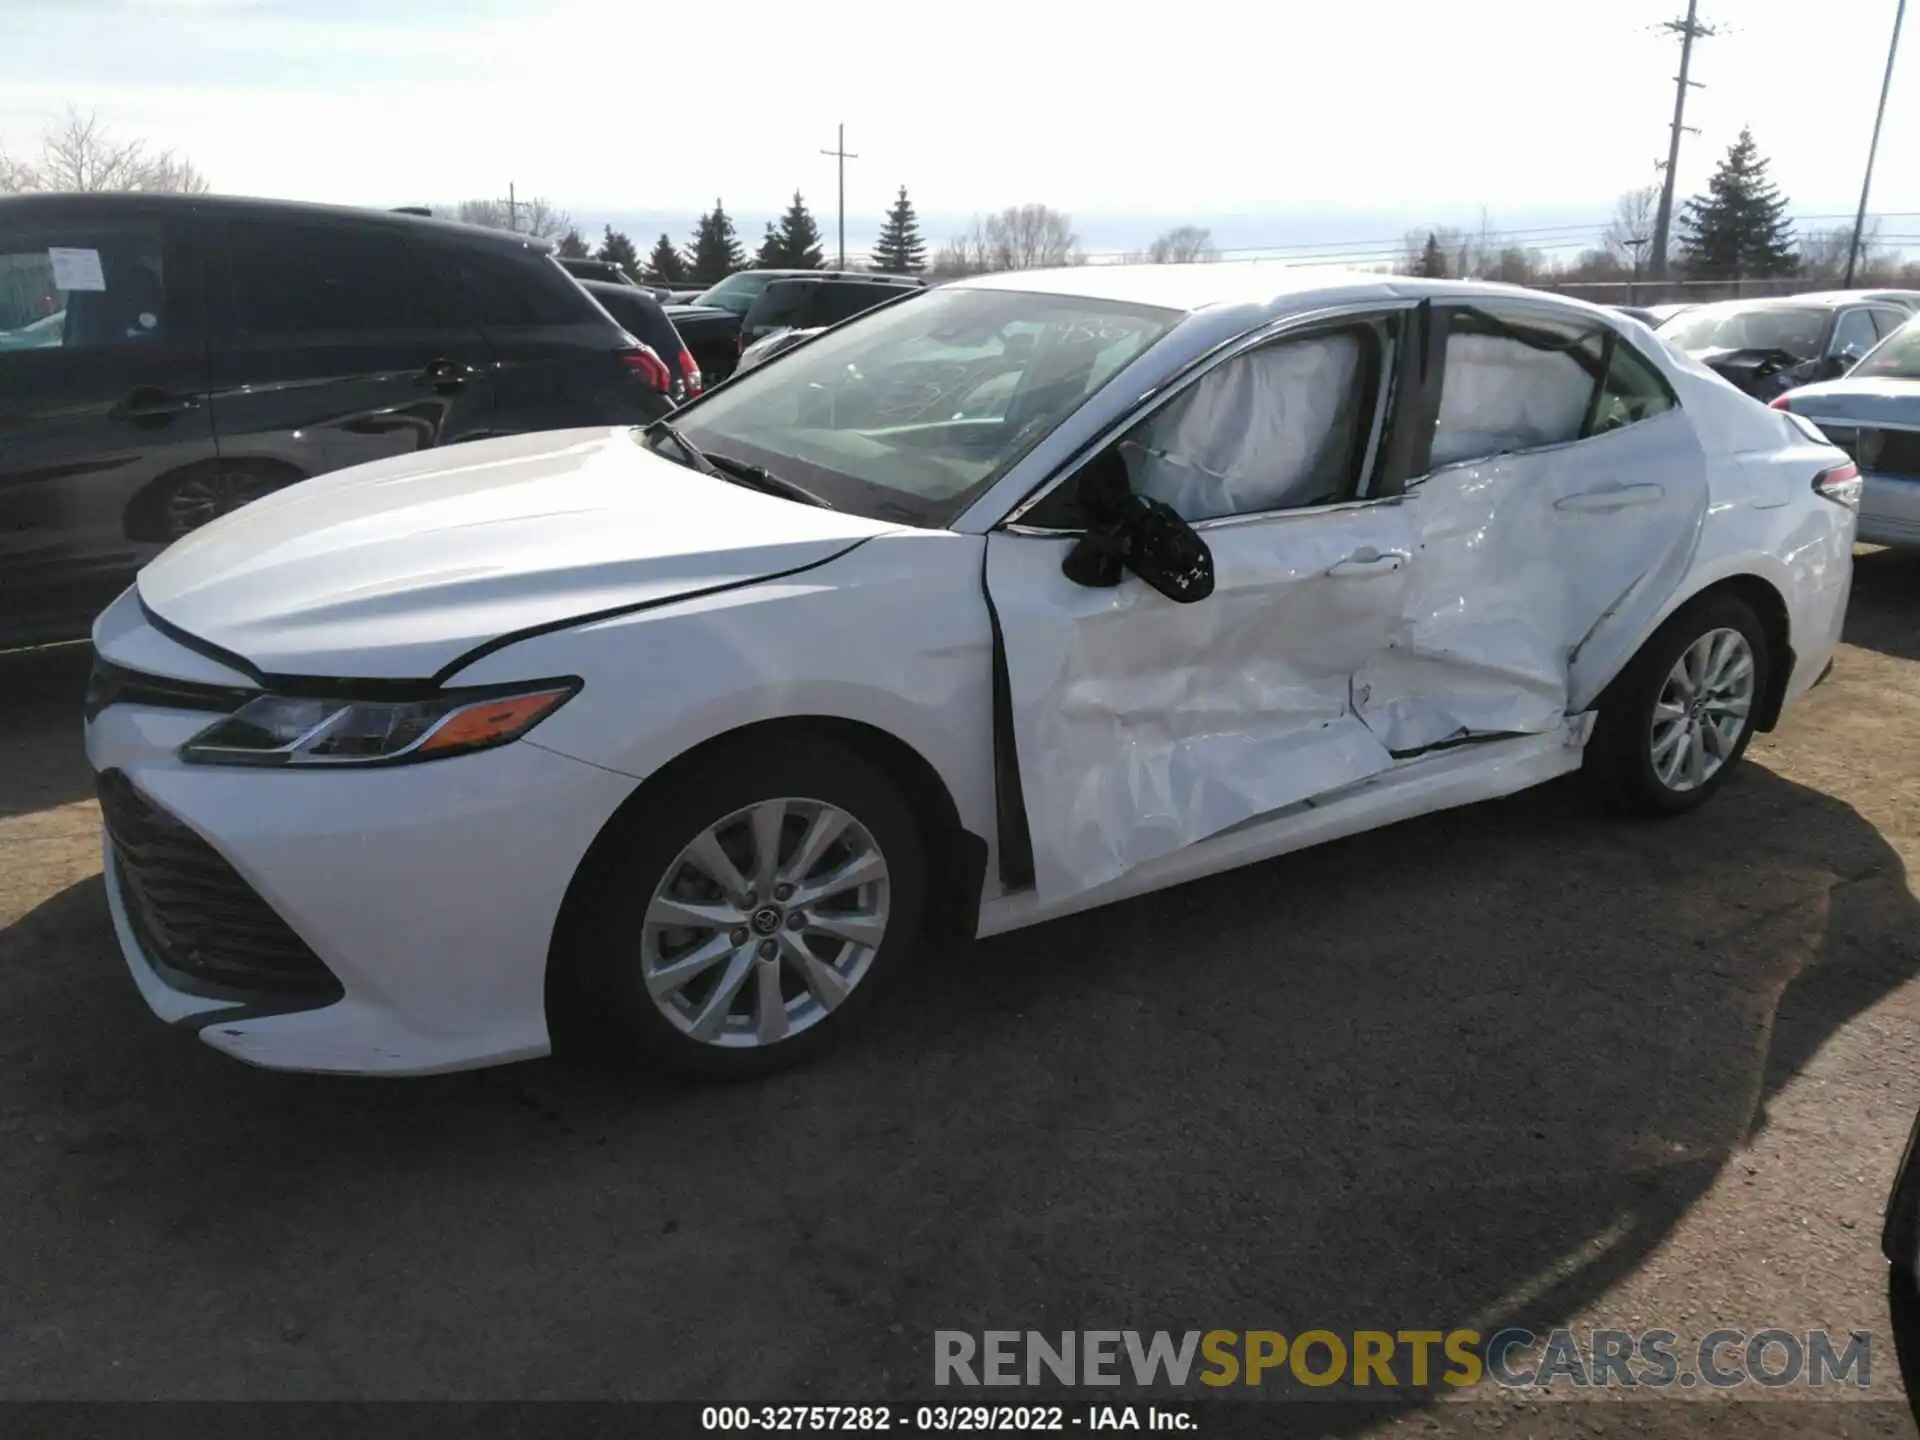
1812	300
1247	282
52	205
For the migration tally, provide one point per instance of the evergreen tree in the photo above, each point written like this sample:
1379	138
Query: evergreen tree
799	238
716	251
772	254
571	246
619	249
1433	260
1739	228
900	250
664	265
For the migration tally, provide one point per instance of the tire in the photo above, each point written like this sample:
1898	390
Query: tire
622	939
1622	768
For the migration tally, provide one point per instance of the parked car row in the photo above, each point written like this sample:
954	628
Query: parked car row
165	360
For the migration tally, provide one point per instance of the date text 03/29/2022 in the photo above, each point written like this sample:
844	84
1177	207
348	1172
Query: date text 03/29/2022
933	1419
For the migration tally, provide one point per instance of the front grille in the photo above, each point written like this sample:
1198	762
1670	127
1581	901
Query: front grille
193	913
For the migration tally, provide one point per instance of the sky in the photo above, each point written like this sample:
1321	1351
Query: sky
1272	122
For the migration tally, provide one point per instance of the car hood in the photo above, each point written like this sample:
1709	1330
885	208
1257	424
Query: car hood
398	569
1886	399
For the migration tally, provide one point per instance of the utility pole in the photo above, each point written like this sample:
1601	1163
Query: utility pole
1688	30
1635	243
513	210
1860	219
839	152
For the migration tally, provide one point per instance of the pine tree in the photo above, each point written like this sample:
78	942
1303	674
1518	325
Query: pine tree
619	249
800	238
1739	228
1433	260
716	251
900	250
571	246
664	265
772	254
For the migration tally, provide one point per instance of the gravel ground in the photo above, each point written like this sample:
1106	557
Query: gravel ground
1511	1064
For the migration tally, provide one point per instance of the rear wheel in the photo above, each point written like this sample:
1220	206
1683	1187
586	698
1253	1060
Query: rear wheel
193	501
754	911
1680	717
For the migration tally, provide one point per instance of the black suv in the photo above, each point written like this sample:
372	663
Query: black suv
812	302
165	359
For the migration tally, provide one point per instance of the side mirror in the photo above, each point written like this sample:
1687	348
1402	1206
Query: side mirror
1126	531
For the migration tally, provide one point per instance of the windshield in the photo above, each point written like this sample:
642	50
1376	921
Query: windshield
913	411
1798	330
737	292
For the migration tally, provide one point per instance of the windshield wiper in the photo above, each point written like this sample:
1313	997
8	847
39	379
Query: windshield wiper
738	472
761	478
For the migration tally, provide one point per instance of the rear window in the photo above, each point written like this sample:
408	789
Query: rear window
501	290
640	316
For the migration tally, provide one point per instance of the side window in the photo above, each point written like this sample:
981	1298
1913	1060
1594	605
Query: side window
836	302
300	279
1510	385
1633	391
504	290
82	288
785	303
1889	320
1278	428
1854	335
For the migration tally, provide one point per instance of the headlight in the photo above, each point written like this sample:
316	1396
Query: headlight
301	730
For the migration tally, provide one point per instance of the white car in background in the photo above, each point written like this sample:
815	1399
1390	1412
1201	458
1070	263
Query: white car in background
1023	596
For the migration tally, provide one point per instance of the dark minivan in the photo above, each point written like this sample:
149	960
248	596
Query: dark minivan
165	359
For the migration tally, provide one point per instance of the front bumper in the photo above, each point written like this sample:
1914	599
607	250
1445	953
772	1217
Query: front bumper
428	891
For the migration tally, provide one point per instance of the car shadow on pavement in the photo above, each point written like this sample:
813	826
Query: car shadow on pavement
1885	612
42	765
1464	1071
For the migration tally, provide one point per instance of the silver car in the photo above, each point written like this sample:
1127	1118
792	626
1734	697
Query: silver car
1873	413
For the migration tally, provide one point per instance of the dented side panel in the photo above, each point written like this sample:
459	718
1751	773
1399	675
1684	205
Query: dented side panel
1525	564
1143	726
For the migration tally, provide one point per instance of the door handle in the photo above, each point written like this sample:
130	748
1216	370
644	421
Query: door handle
1370	562
151	405
1611	497
445	374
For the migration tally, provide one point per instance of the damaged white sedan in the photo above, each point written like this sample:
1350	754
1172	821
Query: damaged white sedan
1021	596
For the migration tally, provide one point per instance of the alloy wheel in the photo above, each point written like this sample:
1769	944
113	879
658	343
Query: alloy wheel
765	922
1703	709
207	497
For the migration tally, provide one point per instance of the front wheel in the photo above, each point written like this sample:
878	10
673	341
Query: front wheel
755	910
1680	717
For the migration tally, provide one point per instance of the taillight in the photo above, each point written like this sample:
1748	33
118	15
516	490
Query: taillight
694	381
651	369
740	343
1779	402
1841	485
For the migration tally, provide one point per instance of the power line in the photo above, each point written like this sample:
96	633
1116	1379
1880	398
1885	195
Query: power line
1688	30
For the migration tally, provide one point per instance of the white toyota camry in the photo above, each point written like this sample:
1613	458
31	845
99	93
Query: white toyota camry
1016	597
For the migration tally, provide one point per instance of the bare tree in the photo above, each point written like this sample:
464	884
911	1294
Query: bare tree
535	217
1823	253
1633	216
1021	237
79	153
1182	245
